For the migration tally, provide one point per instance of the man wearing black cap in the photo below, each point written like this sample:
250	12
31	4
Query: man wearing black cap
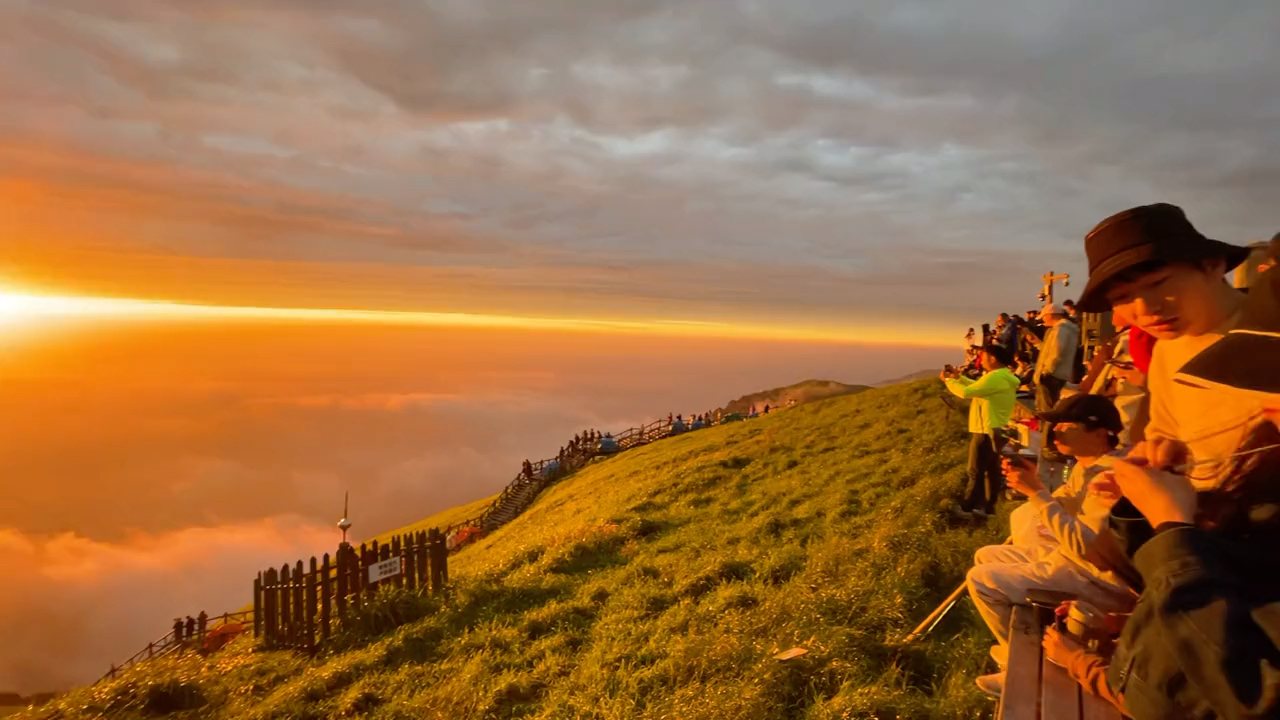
1152	265
993	396
1058	552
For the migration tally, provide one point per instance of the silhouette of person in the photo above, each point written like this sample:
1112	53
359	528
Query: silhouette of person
191	627
177	629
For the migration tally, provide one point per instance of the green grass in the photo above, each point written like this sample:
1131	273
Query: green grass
658	584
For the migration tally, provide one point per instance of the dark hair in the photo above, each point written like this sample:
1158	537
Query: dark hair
999	352
1068	303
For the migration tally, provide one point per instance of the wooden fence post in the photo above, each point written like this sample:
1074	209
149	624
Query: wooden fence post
383	554
423	560
326	598
370	557
410	563
257	607
398	580
286	619
270	617
436	544
313	582
299	610
343	558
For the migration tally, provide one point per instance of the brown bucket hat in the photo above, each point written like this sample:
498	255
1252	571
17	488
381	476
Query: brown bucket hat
1141	234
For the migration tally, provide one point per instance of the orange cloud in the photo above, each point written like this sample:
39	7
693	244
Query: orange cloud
86	604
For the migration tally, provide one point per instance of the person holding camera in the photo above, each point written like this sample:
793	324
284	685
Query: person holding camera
1057	552
993	395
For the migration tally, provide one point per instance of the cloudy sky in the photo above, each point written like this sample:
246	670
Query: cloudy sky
776	173
809	161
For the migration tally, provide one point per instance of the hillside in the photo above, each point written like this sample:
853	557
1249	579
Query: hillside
441	519
910	377
801	392
659	583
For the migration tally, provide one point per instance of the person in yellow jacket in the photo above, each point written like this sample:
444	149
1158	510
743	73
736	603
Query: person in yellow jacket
993	396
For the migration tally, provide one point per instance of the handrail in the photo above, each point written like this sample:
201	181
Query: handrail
169	643
626	440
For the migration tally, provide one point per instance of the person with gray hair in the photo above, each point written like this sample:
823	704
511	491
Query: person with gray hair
1056	364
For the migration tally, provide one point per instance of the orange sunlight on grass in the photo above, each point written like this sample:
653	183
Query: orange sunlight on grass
17	307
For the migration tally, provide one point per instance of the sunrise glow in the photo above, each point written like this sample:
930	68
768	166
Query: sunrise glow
16	307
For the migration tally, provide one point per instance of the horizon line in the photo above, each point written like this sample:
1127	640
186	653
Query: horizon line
16	306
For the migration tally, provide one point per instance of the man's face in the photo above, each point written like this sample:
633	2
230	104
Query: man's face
1171	301
1074	438
988	361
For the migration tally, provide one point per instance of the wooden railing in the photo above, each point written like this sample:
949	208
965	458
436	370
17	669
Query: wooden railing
170	642
298	607
521	492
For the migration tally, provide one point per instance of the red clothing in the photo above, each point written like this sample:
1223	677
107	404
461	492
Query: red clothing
1141	346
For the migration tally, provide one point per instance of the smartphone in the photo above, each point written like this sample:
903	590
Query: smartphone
1017	456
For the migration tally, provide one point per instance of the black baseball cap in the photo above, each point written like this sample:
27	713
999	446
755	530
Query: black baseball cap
999	352
1094	410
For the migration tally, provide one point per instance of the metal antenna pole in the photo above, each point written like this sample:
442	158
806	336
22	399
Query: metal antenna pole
344	524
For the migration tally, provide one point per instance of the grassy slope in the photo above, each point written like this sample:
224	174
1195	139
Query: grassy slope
801	392
658	584
442	519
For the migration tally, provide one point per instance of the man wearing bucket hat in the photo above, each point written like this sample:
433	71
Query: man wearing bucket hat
1202	641
1151	264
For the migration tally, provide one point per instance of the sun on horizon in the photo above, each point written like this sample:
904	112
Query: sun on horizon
17	306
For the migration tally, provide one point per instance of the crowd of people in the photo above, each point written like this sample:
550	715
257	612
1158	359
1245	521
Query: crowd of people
1164	533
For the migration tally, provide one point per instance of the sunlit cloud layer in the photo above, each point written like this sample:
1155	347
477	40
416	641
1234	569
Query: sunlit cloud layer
698	160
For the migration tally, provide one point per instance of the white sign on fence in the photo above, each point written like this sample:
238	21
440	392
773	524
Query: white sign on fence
384	570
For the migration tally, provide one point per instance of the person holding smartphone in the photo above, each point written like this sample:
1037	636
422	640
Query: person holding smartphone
993	395
1054	550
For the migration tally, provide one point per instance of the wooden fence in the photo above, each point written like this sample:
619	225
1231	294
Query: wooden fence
299	607
521	492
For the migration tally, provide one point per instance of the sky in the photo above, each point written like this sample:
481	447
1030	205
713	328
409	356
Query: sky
549	216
